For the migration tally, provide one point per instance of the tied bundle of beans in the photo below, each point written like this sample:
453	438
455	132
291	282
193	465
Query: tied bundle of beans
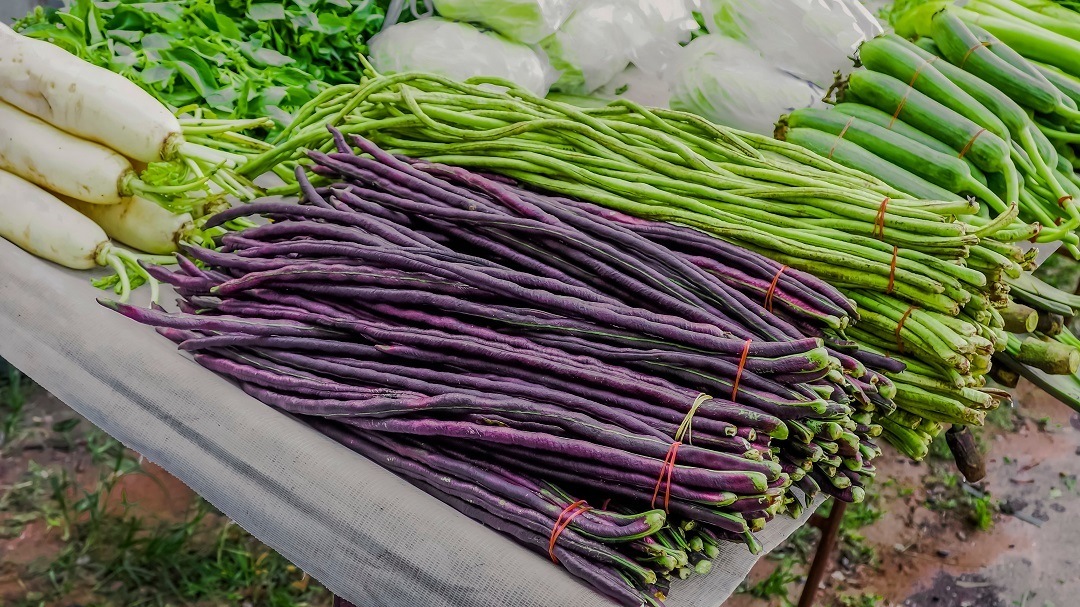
417	305
771	197
814	449
1041	348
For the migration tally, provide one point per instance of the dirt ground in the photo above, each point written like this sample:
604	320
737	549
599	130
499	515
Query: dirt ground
927	551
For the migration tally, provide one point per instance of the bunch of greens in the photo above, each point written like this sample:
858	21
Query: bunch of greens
240	58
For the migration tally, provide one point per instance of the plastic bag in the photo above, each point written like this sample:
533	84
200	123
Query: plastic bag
674	17
654	31
459	51
732	84
590	48
528	21
808	38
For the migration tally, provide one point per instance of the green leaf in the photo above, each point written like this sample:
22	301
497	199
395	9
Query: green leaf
193	68
266	12
66	425
129	36
158	74
227	27
73	24
170	11
157	42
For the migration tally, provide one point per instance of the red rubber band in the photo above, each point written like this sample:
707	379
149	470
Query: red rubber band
892	271
666	472
606	503
772	288
900	327
972	50
568	514
967	146
840	137
1063	200
879	221
738	374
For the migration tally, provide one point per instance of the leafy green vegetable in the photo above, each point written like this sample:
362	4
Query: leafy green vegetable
239	58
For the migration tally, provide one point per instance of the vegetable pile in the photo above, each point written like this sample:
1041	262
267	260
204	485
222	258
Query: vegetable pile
434	317
926	284
623	336
238	59
73	133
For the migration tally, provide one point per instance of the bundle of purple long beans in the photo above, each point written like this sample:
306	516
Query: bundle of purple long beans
527	358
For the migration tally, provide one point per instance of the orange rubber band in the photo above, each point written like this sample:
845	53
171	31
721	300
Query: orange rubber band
972	50
1038	228
967	146
900	327
840	137
910	87
879	221
568	514
738	374
772	289
892	271
666	472
899	107
1063	200
919	70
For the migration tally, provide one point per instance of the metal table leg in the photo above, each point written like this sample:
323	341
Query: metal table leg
830	531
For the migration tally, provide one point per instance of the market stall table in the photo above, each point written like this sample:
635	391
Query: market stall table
370	537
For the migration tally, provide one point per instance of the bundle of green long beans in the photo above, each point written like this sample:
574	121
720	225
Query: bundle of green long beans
926	284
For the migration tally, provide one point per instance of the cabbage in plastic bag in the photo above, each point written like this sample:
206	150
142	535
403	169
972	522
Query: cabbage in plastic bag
459	51
528	21
732	84
808	38
594	44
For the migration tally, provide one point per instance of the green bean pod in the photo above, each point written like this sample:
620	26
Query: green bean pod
847	152
944	170
964	49
883	54
988	151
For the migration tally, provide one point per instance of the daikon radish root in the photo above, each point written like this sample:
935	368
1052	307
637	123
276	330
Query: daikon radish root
141	224
85	100
96	104
61	162
41	224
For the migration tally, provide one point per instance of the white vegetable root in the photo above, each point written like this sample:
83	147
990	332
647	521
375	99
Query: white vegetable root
58	161
140	224
85	100
43	225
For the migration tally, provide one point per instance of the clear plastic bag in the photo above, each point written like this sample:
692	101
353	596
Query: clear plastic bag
528	21
730	83
459	51
591	47
810	39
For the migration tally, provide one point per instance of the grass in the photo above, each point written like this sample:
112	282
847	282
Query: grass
109	553
794	555
859	600
14	389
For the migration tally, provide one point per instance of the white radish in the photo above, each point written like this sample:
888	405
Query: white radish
43	225
89	101
140	224
58	161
